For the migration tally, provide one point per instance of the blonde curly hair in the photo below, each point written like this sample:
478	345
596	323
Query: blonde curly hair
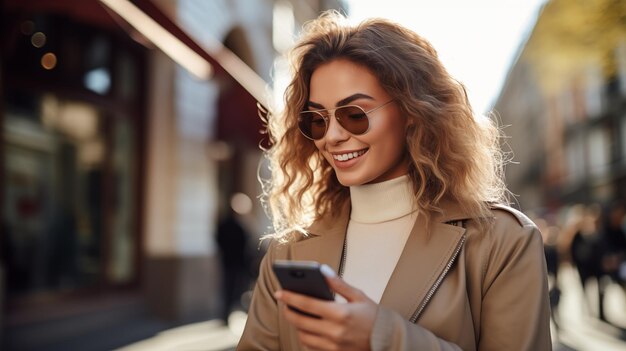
453	154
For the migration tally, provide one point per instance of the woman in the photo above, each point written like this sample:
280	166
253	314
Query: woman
381	172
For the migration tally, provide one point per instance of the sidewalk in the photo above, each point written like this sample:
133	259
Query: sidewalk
204	336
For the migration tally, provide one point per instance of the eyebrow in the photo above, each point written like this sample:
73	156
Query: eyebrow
342	102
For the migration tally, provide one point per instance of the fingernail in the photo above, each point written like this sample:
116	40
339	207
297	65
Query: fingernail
327	271
278	294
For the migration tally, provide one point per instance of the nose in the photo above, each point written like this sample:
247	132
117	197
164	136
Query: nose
335	132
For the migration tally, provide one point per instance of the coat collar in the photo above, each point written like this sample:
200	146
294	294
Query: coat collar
325	242
427	252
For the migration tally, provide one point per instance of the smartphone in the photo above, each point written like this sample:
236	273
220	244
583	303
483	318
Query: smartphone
303	277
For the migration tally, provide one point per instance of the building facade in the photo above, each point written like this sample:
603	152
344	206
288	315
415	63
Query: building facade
564	107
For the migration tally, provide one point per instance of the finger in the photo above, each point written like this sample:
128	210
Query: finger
316	342
303	303
328	310
308	324
339	286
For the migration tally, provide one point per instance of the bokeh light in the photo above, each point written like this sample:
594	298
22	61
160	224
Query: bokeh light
241	203
38	39
27	27
49	61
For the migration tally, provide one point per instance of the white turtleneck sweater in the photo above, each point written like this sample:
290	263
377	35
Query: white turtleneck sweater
381	220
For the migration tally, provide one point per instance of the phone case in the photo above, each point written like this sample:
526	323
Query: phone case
303	277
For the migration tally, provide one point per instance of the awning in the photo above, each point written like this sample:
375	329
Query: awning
237	106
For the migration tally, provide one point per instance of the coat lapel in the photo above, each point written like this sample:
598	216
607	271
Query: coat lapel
326	242
424	259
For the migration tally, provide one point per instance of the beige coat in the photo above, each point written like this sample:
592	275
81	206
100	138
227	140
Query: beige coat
467	289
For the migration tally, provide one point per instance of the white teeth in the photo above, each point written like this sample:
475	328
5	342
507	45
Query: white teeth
349	155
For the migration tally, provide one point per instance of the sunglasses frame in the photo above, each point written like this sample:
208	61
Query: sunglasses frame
325	113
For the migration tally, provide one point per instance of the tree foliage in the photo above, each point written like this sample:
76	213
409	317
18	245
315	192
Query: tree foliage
572	37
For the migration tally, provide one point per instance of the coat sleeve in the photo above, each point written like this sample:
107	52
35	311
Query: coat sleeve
261	330
393	332
515	307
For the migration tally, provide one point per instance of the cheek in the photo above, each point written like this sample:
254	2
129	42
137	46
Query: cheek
392	136
393	148
401	134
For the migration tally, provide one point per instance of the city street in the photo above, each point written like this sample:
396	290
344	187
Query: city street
148	146
578	330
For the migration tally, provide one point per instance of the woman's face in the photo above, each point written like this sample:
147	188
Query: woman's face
380	152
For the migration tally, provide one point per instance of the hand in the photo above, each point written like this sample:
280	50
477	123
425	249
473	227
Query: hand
341	326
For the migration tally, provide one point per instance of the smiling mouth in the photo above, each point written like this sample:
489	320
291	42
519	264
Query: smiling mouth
349	155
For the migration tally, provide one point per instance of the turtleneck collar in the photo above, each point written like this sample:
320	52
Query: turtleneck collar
381	202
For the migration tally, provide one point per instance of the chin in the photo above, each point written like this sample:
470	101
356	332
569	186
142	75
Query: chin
348	181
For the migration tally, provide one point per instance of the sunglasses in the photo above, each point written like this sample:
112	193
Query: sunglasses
314	124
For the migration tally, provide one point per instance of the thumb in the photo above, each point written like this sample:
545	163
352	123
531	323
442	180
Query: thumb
339	286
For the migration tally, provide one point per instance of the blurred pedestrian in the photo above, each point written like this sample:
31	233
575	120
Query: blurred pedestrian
587	251
614	241
232	240
381	172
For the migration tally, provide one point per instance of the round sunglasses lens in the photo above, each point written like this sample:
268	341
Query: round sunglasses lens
312	124
353	119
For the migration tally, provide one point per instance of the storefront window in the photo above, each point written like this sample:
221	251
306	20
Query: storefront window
51	200
70	164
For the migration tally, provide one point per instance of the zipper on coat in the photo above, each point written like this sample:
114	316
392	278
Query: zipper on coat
435	286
